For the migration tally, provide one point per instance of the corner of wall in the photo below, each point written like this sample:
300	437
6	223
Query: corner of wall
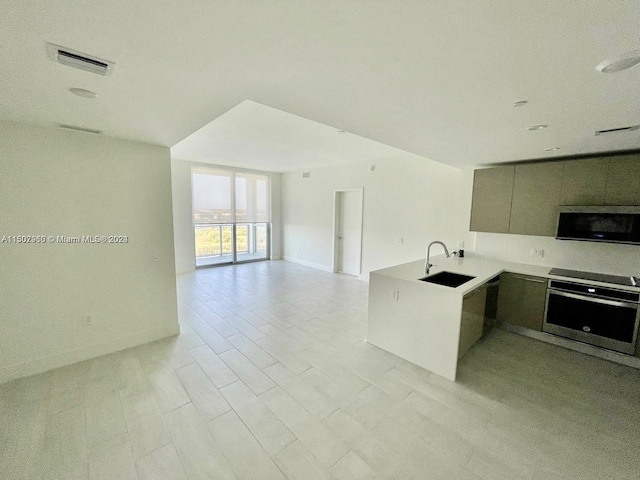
44	364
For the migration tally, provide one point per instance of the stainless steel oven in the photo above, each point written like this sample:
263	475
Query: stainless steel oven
600	316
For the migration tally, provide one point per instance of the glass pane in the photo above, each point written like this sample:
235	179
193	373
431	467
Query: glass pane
251	241
221	208
213	244
261	238
241	200
262	206
242	239
252	198
211	196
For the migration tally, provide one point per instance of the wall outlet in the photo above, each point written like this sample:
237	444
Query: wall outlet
396	295
87	320
400	241
537	252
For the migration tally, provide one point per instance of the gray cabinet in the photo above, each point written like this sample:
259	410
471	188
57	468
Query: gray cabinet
521	300
536	196
584	182
623	181
491	205
524	199
472	323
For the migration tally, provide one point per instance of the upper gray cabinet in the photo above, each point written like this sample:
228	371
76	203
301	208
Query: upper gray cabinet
536	196
584	182
623	181
491	207
524	199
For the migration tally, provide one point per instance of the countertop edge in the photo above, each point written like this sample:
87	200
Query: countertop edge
483	269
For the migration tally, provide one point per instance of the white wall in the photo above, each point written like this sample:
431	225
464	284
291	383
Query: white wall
588	256
56	182
405	197
184	235
276	216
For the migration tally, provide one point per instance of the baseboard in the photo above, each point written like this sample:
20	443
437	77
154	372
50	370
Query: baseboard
317	266
66	358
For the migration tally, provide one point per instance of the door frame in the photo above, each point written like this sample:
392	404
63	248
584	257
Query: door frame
336	221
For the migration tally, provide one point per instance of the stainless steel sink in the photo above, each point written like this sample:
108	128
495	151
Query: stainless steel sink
448	279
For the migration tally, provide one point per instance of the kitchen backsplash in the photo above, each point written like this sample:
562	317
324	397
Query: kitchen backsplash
589	256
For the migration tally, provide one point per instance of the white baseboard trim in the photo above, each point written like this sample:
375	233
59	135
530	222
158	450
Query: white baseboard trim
317	266
66	358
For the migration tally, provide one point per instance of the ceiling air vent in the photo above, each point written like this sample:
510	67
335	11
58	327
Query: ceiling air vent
617	130
306	174
81	129
82	61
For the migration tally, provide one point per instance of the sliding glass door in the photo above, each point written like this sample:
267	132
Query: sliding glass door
230	216
252	215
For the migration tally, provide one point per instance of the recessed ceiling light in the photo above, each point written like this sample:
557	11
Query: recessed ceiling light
537	127
620	62
340	131
552	149
521	103
81	92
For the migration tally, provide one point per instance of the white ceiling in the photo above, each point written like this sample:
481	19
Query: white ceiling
255	136
429	77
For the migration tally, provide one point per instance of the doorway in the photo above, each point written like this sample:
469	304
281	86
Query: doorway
347	239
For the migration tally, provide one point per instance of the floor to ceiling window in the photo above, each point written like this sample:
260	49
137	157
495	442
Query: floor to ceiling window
230	216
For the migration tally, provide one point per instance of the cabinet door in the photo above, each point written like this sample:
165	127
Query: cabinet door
508	293
536	196
623	181
491	206
521	300
584	182
472	322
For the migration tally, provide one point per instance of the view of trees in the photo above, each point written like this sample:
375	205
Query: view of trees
208	239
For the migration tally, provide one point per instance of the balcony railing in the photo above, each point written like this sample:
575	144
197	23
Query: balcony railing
214	242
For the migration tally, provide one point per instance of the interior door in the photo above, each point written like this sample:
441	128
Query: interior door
349	232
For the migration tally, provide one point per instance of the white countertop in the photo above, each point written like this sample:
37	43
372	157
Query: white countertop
483	269
422	322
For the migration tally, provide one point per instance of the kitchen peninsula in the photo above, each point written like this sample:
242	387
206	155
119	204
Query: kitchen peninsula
432	325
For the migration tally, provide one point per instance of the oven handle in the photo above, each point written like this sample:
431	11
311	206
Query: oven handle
593	299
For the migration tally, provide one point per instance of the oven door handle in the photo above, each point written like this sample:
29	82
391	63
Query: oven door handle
593	299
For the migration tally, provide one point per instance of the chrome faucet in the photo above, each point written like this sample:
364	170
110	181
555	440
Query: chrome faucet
428	265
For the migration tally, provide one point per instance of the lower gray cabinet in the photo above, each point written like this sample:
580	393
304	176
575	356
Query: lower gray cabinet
521	300
472	323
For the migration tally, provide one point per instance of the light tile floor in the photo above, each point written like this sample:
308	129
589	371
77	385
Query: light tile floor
271	379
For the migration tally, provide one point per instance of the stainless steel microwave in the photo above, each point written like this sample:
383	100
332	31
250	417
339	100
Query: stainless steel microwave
599	224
